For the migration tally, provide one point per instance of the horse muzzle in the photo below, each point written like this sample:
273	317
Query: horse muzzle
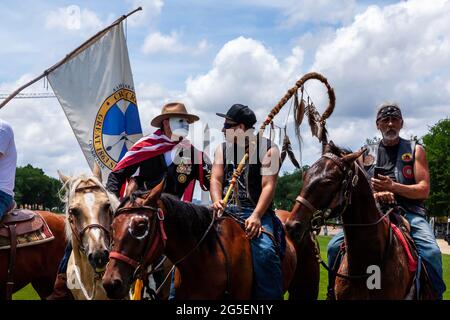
116	286
98	259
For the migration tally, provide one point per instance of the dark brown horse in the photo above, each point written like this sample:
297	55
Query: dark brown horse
212	256
305	284
37	264
337	182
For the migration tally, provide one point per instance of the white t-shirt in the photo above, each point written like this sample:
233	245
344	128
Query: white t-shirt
8	158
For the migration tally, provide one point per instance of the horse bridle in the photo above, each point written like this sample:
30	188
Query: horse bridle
152	248
345	193
319	216
79	234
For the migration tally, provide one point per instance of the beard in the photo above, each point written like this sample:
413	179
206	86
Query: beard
391	135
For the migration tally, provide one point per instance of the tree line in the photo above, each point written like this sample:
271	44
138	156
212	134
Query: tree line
37	191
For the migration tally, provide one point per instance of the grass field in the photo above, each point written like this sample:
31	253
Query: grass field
28	292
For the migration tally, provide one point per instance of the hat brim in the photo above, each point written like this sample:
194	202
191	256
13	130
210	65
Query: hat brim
156	122
225	116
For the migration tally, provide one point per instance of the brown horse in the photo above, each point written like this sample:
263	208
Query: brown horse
305	284
36	264
212	256
337	182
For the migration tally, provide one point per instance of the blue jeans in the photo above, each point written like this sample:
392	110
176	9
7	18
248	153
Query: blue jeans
5	202
426	246
65	259
267	276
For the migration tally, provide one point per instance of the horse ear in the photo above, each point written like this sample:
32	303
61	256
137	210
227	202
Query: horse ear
350	158
63	177
155	193
97	171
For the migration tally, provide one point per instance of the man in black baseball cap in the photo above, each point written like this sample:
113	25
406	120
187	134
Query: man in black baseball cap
253	193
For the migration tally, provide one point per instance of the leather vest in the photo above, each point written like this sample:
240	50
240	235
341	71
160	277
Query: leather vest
403	171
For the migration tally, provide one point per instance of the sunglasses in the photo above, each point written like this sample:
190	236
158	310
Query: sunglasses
228	125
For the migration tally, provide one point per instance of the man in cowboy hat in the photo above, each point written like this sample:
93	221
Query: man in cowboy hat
165	153
253	195
399	174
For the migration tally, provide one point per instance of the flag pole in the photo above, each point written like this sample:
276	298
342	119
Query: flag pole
69	56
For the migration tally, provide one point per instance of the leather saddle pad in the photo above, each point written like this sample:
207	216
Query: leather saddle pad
26	221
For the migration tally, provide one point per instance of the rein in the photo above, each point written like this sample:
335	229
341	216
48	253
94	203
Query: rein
319	216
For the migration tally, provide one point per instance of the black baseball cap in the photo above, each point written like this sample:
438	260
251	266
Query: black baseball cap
240	114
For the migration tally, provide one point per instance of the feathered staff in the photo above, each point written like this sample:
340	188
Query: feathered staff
316	121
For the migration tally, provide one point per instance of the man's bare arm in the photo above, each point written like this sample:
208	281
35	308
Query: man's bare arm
216	187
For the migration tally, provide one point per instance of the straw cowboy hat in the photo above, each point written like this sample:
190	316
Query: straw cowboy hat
173	109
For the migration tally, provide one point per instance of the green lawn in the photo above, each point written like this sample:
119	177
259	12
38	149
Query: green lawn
28	292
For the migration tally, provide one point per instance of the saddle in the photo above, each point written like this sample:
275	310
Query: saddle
23	221
14	224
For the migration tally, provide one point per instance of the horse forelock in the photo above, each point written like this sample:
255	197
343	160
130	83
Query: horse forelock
68	195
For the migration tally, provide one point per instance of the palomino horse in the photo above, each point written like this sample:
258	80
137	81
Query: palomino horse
36	264
89	210
212	256
337	182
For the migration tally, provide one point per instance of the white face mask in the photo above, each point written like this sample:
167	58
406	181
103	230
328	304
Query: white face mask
179	128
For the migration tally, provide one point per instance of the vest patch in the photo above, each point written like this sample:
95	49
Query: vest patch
407	157
408	172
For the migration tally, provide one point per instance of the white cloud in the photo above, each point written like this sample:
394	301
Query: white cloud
73	18
157	42
150	9
244	71
398	52
42	133
202	46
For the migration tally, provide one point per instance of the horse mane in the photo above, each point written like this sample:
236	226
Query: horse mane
67	192
195	219
339	151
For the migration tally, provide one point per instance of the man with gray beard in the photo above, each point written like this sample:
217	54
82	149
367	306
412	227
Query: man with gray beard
400	177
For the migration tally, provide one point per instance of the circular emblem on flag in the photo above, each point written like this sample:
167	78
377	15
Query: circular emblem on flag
117	127
408	172
406	157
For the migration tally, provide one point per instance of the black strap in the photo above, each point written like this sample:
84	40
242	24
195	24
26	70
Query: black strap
12	260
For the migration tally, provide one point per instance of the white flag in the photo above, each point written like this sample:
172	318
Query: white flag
96	91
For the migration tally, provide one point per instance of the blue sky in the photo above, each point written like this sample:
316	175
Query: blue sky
211	54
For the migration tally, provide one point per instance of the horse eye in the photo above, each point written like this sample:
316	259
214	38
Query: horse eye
74	212
140	229
106	207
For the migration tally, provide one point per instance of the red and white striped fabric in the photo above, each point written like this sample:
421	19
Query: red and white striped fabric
149	147
146	148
